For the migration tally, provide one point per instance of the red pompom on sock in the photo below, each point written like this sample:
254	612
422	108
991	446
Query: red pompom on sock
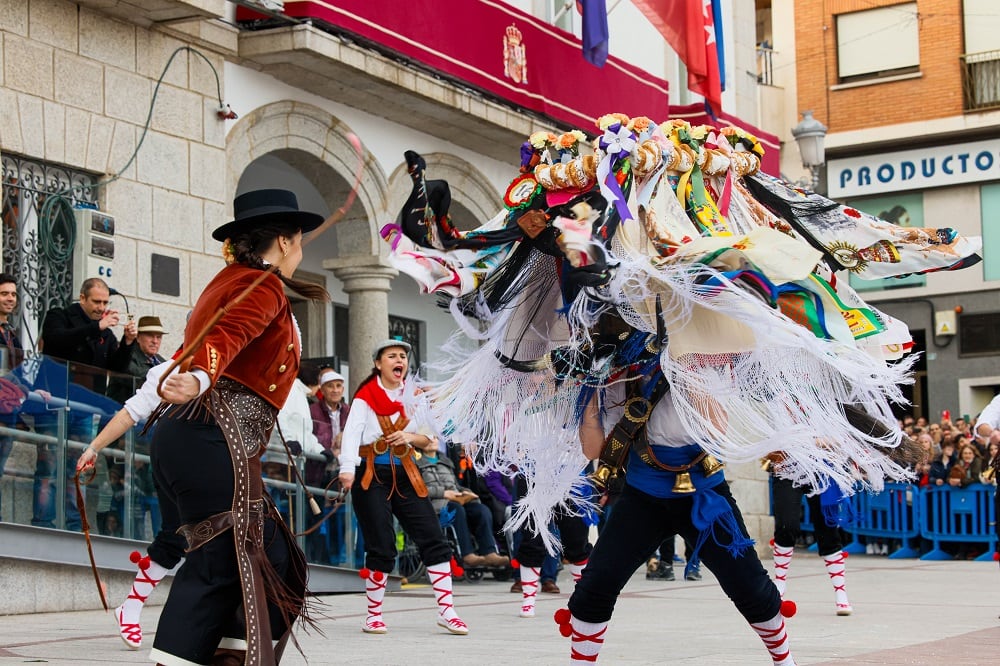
144	563
563	618
514	564
788	608
364	572
134	557
771	542
378	576
846	554
456	569
996	557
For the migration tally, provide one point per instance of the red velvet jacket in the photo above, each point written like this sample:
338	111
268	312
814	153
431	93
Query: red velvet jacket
255	342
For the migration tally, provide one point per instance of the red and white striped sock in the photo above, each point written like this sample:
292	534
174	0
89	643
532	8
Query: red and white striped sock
587	639
440	577
375	591
775	638
576	570
529	589
835	566
147	577
782	559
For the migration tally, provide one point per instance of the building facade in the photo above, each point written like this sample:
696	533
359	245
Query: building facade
910	94
128	127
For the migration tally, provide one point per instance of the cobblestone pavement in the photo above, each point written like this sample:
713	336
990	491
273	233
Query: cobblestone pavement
905	612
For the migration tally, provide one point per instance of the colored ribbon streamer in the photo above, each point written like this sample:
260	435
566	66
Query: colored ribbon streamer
617	143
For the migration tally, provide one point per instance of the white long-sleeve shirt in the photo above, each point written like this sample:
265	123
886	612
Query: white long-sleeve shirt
146	399
990	416
295	421
664	427
362	427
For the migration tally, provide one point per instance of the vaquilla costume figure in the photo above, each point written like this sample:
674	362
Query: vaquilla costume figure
656	296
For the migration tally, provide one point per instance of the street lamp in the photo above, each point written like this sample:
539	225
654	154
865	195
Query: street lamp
809	135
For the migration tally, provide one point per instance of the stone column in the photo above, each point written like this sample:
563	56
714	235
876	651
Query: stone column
367	285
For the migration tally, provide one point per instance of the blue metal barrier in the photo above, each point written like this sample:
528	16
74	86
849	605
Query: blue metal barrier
965	515
893	513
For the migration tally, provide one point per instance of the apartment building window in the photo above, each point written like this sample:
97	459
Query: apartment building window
878	43
905	209
981	60
989	200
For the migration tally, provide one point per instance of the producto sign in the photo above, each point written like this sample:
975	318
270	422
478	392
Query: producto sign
916	169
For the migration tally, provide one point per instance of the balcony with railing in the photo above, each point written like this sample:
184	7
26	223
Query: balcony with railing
482	74
765	64
981	80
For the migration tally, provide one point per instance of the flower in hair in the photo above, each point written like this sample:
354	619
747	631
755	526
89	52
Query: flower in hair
227	251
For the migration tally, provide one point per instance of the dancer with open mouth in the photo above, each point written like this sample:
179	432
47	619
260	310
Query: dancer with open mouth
388	423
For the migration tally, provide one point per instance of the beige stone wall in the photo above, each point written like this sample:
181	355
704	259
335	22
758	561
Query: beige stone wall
76	88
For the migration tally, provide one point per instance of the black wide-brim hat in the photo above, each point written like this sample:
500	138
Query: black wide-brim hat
260	207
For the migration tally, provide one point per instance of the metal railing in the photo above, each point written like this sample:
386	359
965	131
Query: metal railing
981	80
50	411
765	65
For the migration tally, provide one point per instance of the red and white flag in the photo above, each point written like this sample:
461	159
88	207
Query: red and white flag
689	28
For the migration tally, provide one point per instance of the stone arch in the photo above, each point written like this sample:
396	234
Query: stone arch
311	140
470	189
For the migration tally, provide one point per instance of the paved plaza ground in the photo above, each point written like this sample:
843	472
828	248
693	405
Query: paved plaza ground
905	612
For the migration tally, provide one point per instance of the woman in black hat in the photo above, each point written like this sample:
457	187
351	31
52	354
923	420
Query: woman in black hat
381	438
207	447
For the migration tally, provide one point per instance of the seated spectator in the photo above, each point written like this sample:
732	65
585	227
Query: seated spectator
967	468
941	465
472	516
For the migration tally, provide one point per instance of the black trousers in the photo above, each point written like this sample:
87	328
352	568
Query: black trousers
788	517
573	535
636	527
416	515
194	472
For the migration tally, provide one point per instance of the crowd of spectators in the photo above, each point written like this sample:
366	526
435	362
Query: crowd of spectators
953	454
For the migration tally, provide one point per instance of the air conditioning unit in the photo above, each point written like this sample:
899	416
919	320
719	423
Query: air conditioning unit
94	251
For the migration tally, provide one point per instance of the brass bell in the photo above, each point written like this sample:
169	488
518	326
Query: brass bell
765	465
601	476
683	483
711	465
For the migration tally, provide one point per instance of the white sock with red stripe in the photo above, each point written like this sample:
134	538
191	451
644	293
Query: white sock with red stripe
529	589
782	558
587	639
835	566
576	570
147	577
440	577
775	638
375	591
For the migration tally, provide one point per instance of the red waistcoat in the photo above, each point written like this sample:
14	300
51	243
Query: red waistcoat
255	342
